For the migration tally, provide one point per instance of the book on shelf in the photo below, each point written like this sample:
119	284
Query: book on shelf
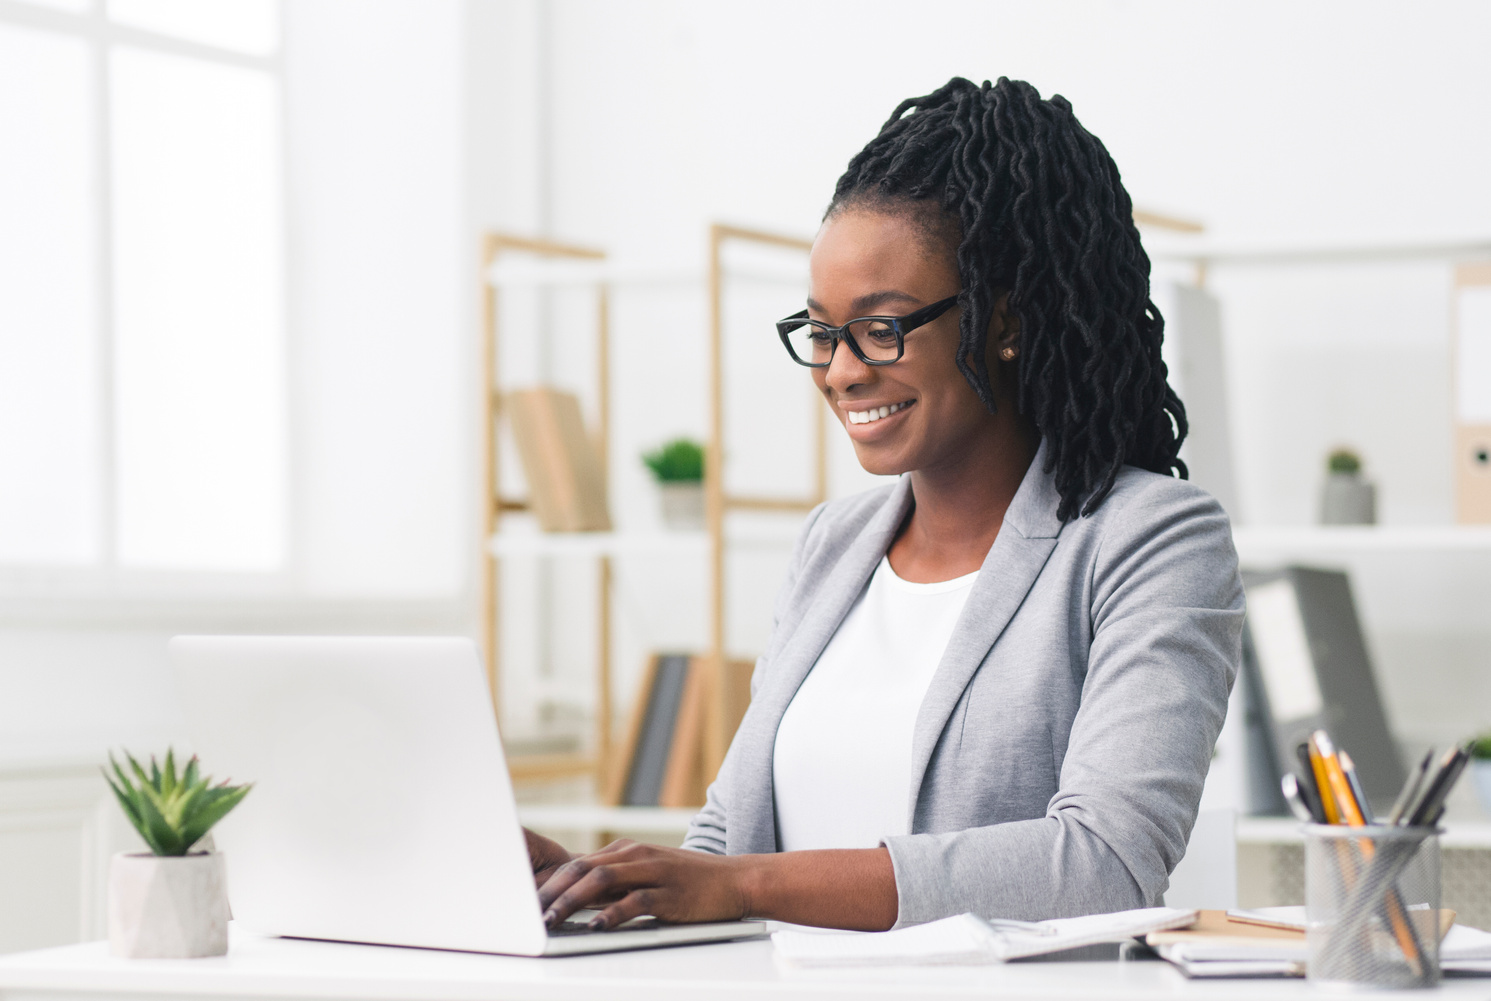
566	484
661	758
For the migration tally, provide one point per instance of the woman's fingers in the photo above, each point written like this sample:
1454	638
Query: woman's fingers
642	901
560	881
573	870
545	856
607	883
625	880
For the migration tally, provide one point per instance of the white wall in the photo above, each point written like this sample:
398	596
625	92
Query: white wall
384	269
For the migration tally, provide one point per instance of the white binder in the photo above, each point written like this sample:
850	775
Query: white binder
1471	367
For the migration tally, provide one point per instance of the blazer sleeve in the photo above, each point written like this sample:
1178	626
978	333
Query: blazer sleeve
707	830
1166	609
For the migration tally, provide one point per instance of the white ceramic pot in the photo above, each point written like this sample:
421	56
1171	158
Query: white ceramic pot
1348	499
1480	770
168	907
683	505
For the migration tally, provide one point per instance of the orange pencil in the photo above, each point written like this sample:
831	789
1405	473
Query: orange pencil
1350	813
1322	780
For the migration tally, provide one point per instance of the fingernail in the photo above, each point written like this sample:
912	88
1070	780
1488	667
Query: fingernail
551	918
597	923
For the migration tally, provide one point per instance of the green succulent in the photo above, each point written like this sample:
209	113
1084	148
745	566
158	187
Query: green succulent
1480	747
172	812
1344	460
679	461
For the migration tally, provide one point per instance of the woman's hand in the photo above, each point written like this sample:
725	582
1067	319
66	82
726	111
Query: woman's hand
546	856
627	879
841	888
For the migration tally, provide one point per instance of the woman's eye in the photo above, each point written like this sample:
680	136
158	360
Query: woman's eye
818	335
882	333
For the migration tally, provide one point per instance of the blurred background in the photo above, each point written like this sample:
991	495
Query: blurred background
272	274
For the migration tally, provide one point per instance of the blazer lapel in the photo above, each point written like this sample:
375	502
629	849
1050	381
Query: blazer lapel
1025	541
844	576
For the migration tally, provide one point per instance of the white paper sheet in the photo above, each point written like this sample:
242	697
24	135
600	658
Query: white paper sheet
968	939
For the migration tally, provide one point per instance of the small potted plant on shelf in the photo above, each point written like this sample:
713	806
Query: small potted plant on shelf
1480	768
172	902
1348	497
679	469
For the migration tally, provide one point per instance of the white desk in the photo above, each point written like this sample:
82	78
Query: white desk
265	968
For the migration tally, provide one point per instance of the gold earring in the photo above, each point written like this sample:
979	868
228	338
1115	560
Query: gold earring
1008	354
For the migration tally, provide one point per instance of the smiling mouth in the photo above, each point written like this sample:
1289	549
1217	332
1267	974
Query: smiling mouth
875	414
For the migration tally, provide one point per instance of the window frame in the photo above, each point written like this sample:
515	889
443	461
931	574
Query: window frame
35	591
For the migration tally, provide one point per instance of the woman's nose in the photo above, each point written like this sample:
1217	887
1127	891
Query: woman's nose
845	370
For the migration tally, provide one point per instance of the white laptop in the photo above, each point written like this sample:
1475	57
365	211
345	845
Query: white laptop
382	810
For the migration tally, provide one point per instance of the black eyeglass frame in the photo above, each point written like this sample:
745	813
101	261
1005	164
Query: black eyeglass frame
899	325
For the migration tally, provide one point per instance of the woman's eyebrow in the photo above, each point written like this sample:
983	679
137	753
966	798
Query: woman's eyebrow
872	300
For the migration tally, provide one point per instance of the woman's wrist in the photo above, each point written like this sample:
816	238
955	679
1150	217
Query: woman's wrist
847	888
752	882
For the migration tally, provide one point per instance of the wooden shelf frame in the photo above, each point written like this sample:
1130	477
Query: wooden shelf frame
717	503
493	505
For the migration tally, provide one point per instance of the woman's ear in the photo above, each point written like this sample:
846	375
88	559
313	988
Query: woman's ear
1004	330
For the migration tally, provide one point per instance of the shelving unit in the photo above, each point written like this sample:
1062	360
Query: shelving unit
1273	542
1350	539
667	543
510	261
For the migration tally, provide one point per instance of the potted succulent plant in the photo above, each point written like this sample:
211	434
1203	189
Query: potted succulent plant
172	902
1348	498
1480	768
679	469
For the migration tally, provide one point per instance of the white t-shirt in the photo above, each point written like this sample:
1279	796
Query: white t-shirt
841	768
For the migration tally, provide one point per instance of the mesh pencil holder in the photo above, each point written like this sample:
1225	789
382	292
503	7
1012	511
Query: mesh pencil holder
1372	905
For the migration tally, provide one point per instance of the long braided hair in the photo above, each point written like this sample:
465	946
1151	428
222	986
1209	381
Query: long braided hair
1042	215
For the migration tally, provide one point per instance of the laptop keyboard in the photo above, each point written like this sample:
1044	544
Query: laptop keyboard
582	928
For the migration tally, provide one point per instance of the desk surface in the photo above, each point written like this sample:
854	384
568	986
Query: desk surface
266	968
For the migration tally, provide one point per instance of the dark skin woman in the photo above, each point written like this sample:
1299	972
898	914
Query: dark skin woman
1000	199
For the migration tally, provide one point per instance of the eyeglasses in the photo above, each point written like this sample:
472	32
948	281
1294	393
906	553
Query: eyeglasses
875	340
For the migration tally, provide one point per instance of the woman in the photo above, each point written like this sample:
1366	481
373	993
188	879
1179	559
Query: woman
995	685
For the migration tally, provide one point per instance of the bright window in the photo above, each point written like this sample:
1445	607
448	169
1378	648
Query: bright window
49	379
142	335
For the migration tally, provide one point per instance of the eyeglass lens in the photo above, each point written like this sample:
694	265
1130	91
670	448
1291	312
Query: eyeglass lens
876	340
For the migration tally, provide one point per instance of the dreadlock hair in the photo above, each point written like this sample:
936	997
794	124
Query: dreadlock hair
1040	214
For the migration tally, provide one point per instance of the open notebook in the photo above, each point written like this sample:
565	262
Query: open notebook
968	938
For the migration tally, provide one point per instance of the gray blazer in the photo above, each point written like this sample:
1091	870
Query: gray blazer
1060	751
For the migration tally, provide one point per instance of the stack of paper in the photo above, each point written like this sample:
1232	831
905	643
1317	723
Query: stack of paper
1466	950
1270	942
1265	943
968	938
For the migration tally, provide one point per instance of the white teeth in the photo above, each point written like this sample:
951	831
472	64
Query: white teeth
870	416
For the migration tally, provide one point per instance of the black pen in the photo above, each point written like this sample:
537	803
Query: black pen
1355	784
1431	801
1305	783
1411	790
1456	768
